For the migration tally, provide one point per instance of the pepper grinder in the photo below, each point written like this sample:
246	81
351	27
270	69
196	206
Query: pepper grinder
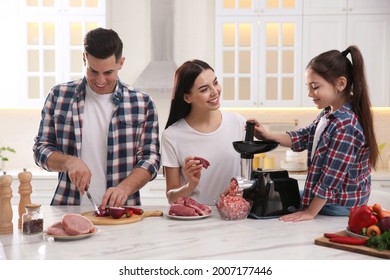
25	190
6	226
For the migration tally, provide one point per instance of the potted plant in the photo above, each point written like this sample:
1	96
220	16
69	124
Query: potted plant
4	158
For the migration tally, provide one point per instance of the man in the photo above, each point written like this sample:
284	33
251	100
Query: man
97	132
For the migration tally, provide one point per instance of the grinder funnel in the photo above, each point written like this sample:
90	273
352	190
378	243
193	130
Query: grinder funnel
249	147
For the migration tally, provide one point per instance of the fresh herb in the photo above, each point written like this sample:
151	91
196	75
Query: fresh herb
5	149
380	242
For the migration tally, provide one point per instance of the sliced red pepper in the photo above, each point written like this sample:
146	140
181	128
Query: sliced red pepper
129	213
349	240
137	211
331	235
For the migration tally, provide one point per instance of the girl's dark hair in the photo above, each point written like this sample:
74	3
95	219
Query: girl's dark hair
103	43
334	64
185	77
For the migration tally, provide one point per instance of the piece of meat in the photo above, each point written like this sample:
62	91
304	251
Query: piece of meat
182	210
75	224
56	229
201	209
205	163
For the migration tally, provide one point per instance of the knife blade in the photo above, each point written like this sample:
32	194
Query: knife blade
92	201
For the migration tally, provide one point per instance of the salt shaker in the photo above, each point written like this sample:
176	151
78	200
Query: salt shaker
6	226
25	190
32	219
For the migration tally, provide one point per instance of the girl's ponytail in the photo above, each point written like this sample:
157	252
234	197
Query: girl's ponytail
361	103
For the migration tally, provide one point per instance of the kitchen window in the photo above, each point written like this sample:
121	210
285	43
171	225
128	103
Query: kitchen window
49	49
258	52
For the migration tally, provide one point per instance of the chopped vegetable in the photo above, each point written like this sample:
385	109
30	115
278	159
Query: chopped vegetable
129	213
137	211
380	242
379	212
384	224
349	240
373	230
360	218
331	235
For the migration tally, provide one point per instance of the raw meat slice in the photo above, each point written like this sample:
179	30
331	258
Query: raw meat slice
182	210
203	161
197	208
201	209
56	229
75	224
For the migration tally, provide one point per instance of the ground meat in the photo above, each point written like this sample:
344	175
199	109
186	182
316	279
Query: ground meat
231	206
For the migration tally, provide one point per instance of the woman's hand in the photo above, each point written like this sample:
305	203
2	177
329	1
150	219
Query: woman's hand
192	170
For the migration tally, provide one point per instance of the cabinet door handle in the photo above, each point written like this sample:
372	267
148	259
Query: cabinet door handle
385	186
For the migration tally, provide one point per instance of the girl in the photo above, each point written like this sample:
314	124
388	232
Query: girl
197	128
341	142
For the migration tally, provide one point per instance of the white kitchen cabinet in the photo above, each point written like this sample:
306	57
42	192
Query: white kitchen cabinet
258	52
263	47
153	193
382	185
334	7
48	38
337	24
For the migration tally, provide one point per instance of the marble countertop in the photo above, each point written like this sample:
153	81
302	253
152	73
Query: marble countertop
164	238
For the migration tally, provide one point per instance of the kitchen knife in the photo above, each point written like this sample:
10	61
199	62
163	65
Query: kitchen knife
93	202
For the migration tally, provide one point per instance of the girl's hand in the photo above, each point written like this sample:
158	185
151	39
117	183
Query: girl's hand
260	132
192	170
297	216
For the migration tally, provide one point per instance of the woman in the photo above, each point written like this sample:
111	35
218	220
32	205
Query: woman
341	142
196	127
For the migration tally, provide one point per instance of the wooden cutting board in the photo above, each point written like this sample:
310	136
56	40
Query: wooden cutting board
361	249
121	221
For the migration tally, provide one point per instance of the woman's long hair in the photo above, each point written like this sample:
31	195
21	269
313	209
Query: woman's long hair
334	64
185	77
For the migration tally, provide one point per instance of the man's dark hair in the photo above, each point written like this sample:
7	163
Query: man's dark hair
103	43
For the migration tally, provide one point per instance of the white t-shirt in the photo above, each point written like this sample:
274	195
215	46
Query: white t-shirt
180	141
319	129
96	121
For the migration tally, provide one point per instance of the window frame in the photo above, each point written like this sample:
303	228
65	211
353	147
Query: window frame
61	15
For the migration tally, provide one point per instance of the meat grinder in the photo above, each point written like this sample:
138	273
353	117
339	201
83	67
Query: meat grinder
272	191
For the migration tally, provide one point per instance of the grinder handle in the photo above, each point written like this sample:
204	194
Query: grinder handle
250	130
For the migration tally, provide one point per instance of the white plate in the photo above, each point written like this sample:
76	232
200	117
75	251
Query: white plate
188	217
71	237
293	166
350	233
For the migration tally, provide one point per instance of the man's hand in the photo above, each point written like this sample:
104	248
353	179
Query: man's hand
79	173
